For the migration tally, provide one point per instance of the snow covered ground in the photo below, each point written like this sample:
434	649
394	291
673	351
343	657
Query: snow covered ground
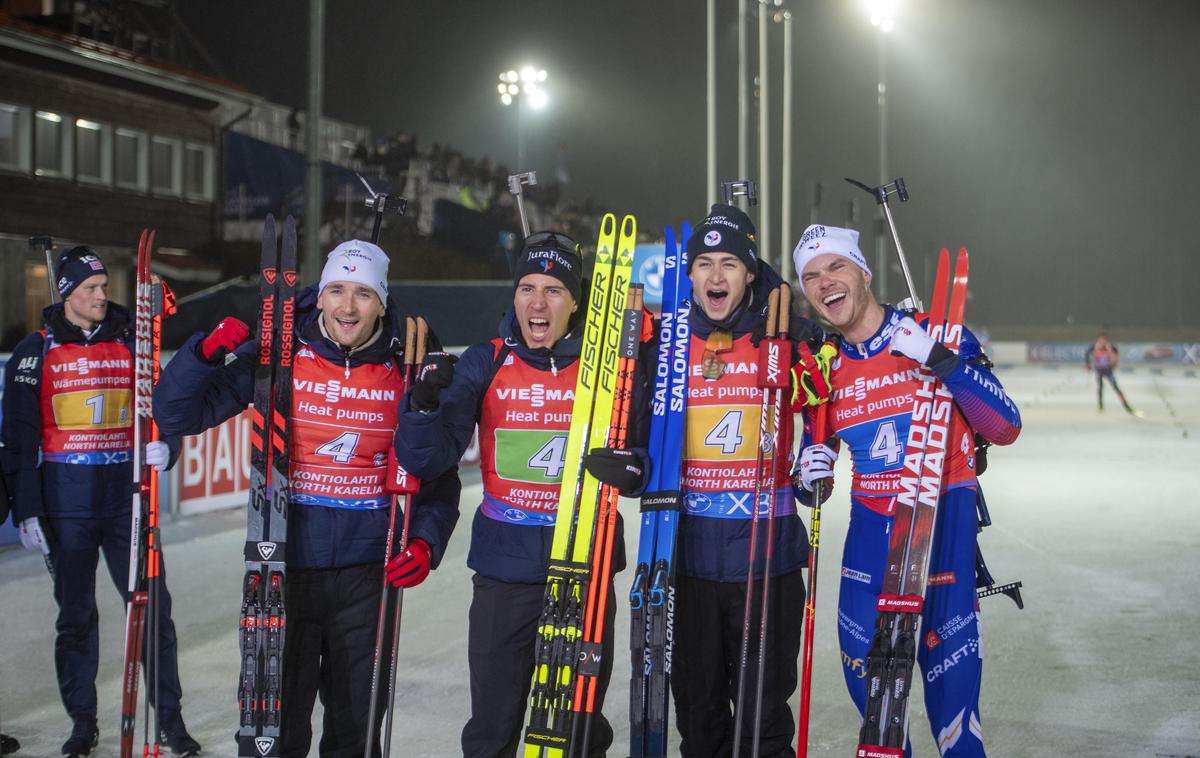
1093	512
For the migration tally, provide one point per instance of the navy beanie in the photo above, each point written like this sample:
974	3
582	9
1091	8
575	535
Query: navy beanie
76	265
726	229
552	254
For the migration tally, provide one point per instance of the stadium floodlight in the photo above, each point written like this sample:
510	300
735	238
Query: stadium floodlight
883	14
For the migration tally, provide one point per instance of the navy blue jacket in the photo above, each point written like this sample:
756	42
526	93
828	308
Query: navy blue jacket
717	549
427	443
194	395
60	490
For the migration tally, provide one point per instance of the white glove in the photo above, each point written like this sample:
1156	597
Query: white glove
910	340
32	536
816	462
158	455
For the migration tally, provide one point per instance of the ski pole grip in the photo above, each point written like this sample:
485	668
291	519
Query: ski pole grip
785	308
422	335
410	339
772	312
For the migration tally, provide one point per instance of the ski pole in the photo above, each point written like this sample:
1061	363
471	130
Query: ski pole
820	429
774	355
764	436
881	194
515	183
46	244
410	338
402	485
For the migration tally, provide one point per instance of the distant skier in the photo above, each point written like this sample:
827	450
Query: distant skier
67	444
346	382
1102	357
870	410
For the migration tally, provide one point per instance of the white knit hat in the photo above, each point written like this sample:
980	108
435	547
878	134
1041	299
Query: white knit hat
819	239
360	262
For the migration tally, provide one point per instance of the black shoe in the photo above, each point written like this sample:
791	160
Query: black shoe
84	737
8	745
174	735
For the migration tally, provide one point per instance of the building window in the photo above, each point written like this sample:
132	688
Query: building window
198	172
93	152
14	137
52	145
166	166
132	162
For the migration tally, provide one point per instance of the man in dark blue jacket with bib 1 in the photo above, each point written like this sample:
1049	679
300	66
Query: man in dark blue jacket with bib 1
67	444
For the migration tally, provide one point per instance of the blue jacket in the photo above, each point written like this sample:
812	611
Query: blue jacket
717	549
194	395
46	488
428	443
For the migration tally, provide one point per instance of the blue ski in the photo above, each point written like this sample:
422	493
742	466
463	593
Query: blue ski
652	597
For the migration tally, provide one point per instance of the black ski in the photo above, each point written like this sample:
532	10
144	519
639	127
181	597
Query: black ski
263	620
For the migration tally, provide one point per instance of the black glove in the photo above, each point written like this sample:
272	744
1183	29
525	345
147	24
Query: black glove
435	375
622	469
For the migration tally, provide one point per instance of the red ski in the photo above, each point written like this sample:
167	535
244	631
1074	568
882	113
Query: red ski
892	654
154	300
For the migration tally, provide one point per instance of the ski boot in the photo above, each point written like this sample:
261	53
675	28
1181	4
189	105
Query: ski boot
84	736
174	735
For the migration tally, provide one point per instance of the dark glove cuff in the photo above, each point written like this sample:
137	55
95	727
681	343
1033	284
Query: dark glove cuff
942	360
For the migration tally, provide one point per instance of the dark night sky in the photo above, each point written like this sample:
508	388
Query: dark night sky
1057	140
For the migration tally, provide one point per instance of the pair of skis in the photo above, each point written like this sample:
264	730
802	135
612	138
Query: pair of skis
263	620
652	596
567	651
153	301
892	654
401	485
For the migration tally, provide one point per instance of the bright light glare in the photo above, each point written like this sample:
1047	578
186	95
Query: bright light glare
528	74
541	77
514	89
883	14
511	76
538	98
501	88
506	99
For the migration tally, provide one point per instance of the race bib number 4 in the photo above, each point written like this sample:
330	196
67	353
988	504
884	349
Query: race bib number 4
535	456
722	433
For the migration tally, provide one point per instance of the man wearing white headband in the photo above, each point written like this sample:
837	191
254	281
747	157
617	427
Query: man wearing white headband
870	410
346	386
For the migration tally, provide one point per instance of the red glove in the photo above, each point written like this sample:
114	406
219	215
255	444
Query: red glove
408	569
226	338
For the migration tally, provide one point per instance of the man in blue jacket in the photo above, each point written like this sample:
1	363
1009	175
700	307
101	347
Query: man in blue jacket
875	386
519	388
67	443
346	384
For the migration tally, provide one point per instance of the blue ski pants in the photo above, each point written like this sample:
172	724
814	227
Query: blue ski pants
950	651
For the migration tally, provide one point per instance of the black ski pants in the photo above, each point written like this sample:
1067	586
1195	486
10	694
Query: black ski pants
1101	375
328	650
704	673
503	625
76	550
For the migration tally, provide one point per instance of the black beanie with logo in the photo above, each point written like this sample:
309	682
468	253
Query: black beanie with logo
726	229
553	254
